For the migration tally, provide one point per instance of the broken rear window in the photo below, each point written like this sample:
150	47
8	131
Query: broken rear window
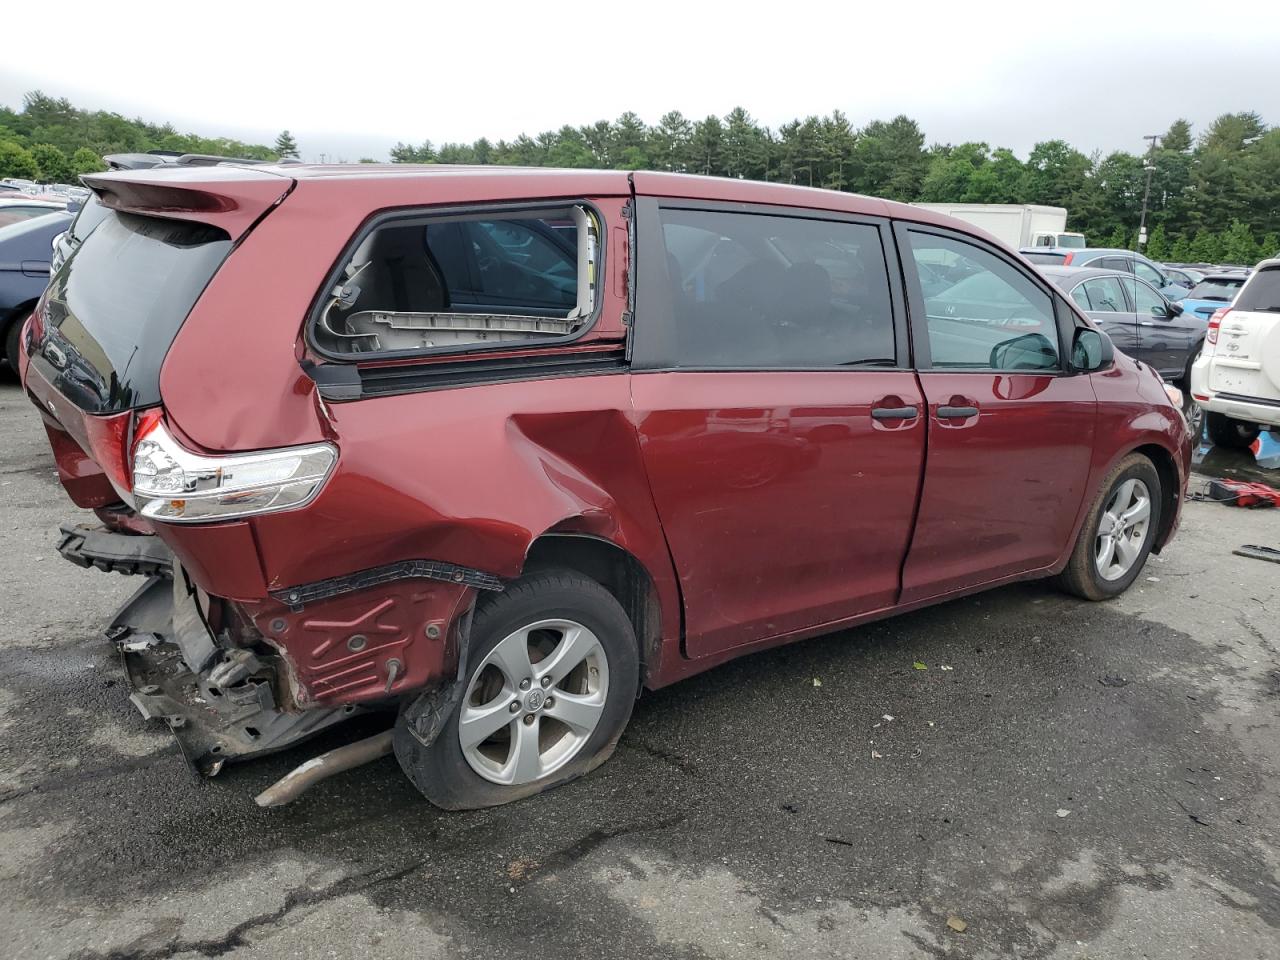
430	283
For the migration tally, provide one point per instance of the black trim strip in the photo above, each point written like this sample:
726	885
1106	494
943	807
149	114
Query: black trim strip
295	597
349	382
1240	398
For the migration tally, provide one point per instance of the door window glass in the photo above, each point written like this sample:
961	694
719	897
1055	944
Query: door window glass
1103	295
749	290
1123	264
1149	274
981	311
1147	302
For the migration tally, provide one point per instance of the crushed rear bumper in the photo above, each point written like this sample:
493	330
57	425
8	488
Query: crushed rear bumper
222	700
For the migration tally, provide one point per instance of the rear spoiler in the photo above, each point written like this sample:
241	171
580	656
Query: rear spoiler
230	198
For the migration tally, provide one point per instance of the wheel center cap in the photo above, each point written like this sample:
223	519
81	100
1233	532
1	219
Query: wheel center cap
534	700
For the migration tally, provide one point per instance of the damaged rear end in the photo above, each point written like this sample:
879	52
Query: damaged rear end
201	639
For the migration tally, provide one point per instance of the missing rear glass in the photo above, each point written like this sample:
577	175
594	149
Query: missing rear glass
454	282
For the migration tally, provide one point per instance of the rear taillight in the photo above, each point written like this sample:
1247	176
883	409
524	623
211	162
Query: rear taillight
173	484
1215	323
1066	261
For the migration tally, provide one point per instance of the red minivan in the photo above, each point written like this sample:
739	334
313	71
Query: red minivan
497	449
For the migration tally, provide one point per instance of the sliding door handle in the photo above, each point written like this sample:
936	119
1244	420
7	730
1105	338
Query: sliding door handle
948	412
895	413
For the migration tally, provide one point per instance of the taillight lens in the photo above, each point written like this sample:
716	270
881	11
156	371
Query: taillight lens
1066	261
173	484
1215	323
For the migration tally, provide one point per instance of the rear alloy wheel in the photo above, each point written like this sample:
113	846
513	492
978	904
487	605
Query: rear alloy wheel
551	678
1118	534
1229	432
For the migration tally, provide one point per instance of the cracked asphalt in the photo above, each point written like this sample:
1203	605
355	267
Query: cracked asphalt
1063	781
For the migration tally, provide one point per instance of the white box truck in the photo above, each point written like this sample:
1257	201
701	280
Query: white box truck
1017	224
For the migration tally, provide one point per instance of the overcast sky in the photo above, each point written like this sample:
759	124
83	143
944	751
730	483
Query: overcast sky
353	79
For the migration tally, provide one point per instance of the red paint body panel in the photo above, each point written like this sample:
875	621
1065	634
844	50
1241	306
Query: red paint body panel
784	503
1003	488
765	507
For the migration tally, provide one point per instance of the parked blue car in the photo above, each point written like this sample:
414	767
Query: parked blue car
1215	291
25	251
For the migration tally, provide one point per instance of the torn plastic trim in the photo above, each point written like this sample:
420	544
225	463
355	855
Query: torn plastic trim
107	550
296	597
226	710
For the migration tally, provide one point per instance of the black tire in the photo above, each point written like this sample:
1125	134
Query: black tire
1229	432
1081	575
11	341
441	771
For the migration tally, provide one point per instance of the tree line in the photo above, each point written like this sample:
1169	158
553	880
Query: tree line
1214	196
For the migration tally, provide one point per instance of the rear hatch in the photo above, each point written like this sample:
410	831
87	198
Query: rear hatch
99	337
1246	358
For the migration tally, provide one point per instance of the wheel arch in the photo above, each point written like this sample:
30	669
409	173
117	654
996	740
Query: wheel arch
617	570
1170	489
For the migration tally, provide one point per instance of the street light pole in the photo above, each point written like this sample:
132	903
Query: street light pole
1146	194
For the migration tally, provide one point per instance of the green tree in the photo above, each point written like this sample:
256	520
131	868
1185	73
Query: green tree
889	159
1177	138
407	153
53	164
1120	238
85	161
1181	250
17	161
706	146
1158	244
1206	247
1270	246
286	146
1238	244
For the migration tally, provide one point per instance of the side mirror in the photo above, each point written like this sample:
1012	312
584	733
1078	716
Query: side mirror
1091	350
1175	309
1031	351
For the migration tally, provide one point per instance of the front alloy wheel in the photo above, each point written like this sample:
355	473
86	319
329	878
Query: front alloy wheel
1123	530
1118	533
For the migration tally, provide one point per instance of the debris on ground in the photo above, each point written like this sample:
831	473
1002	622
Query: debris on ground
956	924
1111	680
1255	552
876	755
946	666
920	666
817	682
1063	812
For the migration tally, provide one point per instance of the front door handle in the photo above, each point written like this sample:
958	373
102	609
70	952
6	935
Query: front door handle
895	413
948	412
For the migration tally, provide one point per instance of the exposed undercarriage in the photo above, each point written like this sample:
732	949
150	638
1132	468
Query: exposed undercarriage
223	695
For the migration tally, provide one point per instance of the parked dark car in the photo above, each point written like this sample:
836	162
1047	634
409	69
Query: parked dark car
384	440
1140	320
25	249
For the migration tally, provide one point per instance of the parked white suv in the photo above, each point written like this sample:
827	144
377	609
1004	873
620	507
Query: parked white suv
1237	376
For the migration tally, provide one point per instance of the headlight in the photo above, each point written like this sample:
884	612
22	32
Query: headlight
1174	395
173	484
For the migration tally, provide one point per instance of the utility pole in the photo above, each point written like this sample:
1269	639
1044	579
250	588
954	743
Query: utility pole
1146	194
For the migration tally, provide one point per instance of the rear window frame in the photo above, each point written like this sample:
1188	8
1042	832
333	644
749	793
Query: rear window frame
1272	272
495	209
